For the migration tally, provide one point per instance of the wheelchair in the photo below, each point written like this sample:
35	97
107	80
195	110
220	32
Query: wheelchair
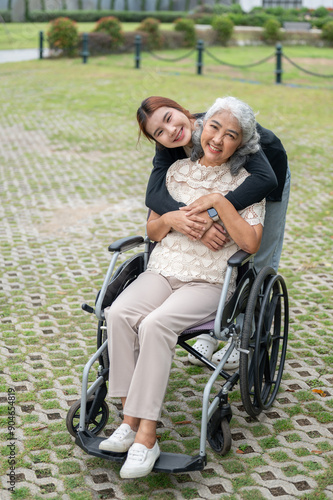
254	320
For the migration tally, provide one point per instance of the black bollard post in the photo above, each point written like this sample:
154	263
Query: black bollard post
200	47
85	51
278	70
137	56
41	48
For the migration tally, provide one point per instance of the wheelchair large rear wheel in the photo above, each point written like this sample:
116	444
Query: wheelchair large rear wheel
264	336
95	424
271	341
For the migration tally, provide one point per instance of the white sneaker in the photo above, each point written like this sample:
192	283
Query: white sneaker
140	461
120	441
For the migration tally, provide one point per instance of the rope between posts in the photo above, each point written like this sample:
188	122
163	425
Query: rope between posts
170	59
305	70
239	65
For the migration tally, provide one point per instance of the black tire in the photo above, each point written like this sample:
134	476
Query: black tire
271	342
219	437
246	362
95	425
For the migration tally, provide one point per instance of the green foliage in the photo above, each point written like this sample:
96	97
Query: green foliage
111	26
272	31
224	28
6	15
319	22
321	12
270	442
26	9
63	35
152	27
257	19
327	32
275	11
220	9
187	27
233	8
85	16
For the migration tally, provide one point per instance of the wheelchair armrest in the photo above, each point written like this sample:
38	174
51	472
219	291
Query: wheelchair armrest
125	244
239	258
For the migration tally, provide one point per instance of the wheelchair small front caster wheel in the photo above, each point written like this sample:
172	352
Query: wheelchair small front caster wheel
219	435
96	423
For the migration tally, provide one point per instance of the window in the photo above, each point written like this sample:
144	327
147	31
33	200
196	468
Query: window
286	4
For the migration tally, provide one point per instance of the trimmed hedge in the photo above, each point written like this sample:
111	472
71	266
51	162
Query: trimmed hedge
272	31
224	28
84	16
321	21
152	27
100	43
63	35
112	26
187	27
6	15
327	33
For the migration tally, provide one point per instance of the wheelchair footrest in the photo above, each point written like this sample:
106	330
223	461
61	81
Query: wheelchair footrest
167	462
176	462
89	443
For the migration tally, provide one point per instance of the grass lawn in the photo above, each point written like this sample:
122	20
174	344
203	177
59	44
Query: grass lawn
219	62
222	62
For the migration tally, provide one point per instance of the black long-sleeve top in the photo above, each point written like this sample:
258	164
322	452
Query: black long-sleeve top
268	168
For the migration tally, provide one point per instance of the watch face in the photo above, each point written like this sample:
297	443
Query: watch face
212	212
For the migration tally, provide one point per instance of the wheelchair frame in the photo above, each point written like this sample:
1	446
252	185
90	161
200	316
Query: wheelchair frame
262	302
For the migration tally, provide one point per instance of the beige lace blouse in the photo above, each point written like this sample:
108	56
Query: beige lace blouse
176	255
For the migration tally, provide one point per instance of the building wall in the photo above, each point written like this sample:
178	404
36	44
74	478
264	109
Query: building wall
247	5
18	8
314	4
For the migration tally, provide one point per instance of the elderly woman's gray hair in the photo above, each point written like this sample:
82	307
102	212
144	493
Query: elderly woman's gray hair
247	122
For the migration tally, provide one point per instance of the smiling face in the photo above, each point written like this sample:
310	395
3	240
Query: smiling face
220	138
170	127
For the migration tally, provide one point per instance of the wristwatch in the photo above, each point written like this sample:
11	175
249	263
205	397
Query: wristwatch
213	214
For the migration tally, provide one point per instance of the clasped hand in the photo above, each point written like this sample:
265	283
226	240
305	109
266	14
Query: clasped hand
200	226
200	205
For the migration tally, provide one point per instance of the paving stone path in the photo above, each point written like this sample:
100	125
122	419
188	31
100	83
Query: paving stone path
62	203
20	55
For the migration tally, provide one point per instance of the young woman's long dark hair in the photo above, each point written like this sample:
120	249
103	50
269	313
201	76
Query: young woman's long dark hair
149	106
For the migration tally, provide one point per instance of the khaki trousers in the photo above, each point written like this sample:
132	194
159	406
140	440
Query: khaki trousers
143	326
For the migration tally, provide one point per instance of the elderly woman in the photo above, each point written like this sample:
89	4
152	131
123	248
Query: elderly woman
182	284
171	126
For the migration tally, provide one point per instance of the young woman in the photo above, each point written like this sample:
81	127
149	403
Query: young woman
182	284
171	127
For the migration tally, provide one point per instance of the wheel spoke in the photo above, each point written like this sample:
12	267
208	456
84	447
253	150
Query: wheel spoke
271	357
95	423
